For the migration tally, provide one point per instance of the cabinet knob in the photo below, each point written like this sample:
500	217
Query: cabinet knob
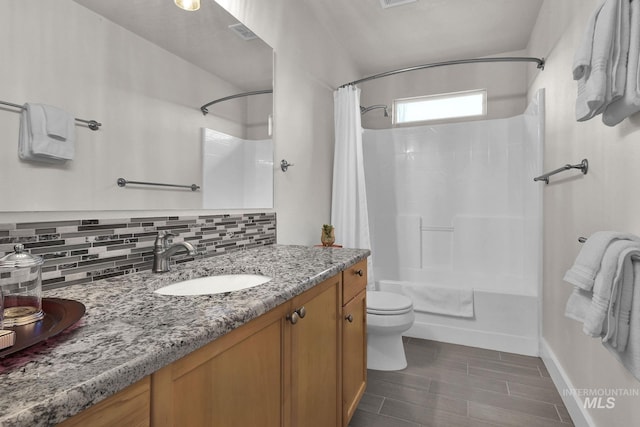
301	312
293	317
349	318
359	273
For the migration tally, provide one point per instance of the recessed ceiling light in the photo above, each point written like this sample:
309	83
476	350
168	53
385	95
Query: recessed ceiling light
189	5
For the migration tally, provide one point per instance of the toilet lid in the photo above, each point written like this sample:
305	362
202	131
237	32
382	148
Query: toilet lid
388	303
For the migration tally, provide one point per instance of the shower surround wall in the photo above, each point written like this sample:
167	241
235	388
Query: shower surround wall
455	205
86	250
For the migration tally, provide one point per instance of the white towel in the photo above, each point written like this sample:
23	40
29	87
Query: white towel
582	57
602	81
59	123
578	304
618	65
629	104
621	337
617	322
630	356
587	264
605	287
36	144
590	308
429	298
606	310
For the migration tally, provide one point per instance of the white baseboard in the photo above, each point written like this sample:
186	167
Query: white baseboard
475	338
579	415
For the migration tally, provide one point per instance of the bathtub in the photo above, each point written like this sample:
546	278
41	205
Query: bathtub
505	314
454	205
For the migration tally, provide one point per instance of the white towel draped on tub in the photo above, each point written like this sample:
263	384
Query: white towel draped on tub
609	305
46	134
428	298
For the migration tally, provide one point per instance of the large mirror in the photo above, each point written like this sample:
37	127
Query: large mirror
142	69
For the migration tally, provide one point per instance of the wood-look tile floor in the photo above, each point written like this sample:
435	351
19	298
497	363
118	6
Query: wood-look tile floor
451	385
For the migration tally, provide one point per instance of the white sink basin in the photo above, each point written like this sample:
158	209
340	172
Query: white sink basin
214	284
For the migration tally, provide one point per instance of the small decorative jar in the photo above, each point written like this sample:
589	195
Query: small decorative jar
21	283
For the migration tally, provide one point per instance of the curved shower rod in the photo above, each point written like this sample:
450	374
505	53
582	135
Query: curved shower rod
539	61
237	95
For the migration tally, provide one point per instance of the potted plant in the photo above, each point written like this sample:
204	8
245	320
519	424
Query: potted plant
328	236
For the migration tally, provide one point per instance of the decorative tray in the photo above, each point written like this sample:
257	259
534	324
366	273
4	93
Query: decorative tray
59	314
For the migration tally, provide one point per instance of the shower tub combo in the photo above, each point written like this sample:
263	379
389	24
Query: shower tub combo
456	223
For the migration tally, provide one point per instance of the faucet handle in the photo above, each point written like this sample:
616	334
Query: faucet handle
161	239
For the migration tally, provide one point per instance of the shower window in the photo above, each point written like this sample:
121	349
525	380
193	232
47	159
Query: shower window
443	106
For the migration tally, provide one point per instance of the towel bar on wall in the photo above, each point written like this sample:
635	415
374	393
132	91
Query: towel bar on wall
91	124
123	182
583	166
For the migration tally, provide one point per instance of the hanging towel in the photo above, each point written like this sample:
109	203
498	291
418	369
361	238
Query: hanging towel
611	309
59	123
582	57
619	313
605	307
604	287
630	102
587	264
630	356
428	298
578	304
618	65
42	141
602	80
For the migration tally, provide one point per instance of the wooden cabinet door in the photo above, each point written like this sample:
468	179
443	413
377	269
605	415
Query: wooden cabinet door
315	389
354	354
129	407
236	380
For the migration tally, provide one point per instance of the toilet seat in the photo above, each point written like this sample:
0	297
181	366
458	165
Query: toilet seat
387	303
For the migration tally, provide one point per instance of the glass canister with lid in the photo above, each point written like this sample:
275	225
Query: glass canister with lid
21	283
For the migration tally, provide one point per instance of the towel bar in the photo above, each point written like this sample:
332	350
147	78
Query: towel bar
91	124
583	166
123	182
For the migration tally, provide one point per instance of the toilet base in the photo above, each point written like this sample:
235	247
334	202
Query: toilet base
385	352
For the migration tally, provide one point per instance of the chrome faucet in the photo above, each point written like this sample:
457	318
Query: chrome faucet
162	251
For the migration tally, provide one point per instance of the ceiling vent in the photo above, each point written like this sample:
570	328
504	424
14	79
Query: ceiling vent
392	3
242	31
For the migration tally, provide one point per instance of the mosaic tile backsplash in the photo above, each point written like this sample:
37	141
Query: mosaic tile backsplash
86	250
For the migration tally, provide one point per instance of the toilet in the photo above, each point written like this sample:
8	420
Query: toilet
388	316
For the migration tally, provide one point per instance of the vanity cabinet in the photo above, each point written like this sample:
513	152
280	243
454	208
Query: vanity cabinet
301	364
277	370
354	338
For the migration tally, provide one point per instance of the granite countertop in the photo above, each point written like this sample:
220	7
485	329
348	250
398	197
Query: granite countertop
129	332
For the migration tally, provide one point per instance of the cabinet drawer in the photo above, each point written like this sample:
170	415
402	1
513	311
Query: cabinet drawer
354	280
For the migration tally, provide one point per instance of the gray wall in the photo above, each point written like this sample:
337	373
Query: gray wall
604	199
